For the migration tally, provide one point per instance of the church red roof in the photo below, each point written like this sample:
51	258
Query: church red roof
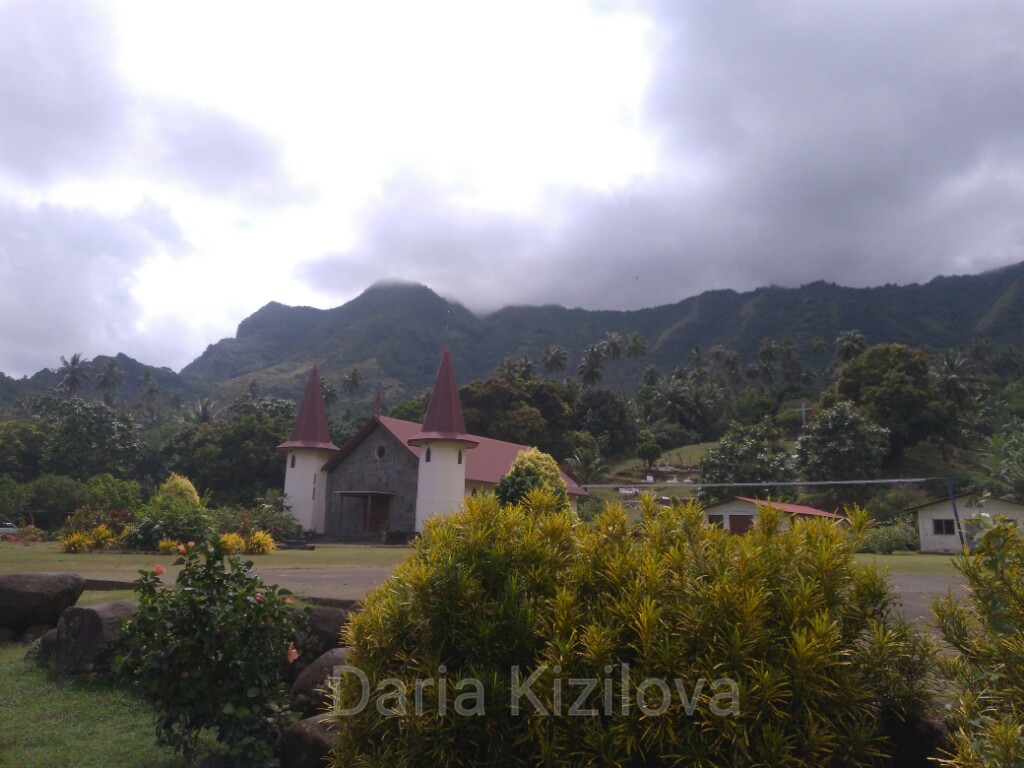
443	420
310	430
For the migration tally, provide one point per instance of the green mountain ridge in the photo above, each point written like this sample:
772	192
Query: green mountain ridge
393	333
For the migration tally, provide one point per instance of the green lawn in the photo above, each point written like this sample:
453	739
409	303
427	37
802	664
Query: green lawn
47	722
44	556
913	563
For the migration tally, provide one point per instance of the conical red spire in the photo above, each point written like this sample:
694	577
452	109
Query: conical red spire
310	430
443	420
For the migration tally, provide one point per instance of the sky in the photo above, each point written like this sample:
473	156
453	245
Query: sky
167	168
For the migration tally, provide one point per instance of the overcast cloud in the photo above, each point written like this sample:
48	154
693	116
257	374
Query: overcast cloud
165	171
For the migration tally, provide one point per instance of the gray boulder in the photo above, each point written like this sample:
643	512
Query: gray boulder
35	632
85	637
310	691
307	743
48	646
28	599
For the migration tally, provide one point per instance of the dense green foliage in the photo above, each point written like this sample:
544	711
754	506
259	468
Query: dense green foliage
987	632
174	512
748	455
802	657
841	444
207	653
532	470
892	383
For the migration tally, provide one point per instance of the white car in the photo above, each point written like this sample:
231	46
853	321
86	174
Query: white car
8	528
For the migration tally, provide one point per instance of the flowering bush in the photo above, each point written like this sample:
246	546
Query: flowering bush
174	512
207	653
259	543
27	534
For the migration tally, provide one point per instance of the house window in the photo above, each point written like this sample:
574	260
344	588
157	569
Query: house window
427	459
460	457
943	527
293	461
718	520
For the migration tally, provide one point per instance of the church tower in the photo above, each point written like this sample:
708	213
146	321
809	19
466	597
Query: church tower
308	449
443	443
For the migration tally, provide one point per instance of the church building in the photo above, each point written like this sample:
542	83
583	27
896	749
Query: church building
392	475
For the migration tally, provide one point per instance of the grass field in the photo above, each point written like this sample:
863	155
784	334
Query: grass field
44	556
913	563
47	722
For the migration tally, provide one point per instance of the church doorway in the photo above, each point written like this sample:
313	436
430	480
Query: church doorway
360	514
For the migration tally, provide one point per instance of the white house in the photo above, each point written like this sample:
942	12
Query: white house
937	524
737	514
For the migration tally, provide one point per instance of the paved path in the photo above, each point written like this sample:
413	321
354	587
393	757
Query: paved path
353	582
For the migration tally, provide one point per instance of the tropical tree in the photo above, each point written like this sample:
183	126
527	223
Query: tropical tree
753	454
586	465
849	344
891	383
110	379
952	375
647	448
841	444
636	346
818	346
73	373
555	358
590	365
329	394
352	382
611	345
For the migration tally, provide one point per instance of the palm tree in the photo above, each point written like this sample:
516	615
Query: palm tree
697	357
527	368
329	395
952	375
352	381
819	347
73	374
636	346
509	369
110	379
586	466
556	358
611	345
849	344
203	412
148	392
589	368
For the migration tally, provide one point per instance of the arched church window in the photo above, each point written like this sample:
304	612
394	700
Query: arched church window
427	459
293	461
460	457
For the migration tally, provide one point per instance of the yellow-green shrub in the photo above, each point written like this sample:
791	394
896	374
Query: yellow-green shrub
178	487
76	542
259	543
233	543
103	538
783	622
167	546
986	715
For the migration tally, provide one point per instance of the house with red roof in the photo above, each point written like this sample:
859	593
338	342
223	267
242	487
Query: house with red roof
392	475
737	514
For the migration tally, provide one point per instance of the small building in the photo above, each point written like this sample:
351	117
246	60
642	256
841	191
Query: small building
737	514
937	524
392	475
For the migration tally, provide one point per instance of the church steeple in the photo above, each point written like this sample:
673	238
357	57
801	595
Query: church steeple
443	420
443	441
310	430
308	449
